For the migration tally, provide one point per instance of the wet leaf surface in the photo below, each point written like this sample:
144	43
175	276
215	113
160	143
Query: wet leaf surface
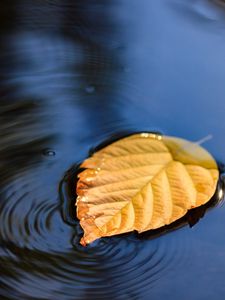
142	182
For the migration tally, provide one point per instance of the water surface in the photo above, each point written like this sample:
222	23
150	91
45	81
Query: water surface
74	73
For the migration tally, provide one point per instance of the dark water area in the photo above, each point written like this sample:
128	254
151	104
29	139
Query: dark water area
73	74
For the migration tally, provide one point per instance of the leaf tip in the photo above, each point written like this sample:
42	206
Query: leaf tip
83	242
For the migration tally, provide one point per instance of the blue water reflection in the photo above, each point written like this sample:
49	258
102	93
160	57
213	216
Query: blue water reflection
72	75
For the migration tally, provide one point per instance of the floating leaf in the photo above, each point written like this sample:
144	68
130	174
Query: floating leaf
142	182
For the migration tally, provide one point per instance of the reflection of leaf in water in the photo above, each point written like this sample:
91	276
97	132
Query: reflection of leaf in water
142	182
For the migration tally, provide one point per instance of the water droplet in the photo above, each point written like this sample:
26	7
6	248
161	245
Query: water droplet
88	179
90	89
49	152
151	135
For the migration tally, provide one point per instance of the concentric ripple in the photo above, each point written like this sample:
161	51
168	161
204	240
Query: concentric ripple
41	254
129	264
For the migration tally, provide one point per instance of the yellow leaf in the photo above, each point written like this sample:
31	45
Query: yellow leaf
142	182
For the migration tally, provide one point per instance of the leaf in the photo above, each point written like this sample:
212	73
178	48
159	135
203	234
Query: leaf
142	182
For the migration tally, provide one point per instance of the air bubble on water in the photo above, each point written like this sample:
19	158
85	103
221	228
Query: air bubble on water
49	152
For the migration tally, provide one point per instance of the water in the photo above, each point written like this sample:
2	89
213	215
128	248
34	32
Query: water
73	74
